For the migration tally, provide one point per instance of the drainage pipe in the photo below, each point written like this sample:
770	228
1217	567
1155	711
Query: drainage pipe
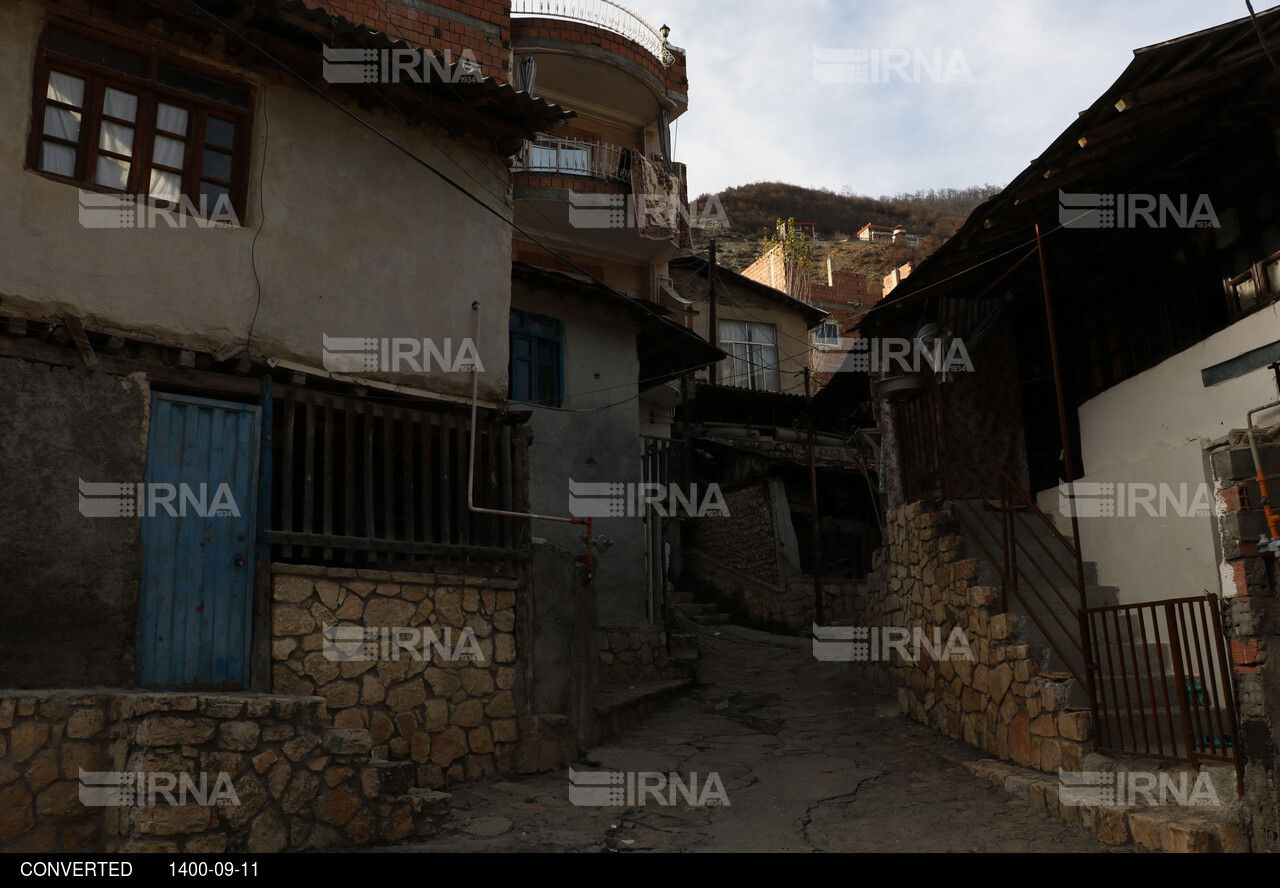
1273	521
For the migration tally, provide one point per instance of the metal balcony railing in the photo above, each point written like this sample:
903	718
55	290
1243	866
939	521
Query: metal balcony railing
601	13
572	157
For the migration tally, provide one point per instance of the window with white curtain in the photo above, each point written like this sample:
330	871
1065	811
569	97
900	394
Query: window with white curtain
753	355
827	334
122	120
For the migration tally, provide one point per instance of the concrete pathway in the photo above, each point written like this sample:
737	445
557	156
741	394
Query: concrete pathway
807	763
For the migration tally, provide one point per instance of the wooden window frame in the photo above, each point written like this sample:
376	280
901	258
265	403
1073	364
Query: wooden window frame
518	331
150	92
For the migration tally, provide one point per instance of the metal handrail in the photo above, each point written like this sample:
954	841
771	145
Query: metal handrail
572	157
604	14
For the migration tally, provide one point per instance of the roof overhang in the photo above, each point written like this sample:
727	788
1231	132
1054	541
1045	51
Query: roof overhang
1174	101
666	350
290	35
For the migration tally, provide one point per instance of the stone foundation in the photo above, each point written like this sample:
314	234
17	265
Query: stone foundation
630	654
265	774
999	701
454	719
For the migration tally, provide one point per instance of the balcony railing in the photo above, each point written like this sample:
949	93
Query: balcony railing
603	14
572	157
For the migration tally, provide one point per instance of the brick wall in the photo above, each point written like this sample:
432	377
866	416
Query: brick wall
1249	584
531	30
481	26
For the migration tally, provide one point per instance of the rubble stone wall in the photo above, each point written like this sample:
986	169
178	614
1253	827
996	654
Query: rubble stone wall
744	540
454	718
265	774
636	654
997	701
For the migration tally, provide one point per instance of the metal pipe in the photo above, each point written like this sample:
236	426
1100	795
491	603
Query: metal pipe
471	470
1273	521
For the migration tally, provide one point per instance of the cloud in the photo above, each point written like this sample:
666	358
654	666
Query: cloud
757	112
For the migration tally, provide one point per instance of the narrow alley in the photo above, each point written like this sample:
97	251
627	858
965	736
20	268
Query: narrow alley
807	762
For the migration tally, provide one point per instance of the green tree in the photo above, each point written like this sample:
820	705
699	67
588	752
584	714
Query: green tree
797	250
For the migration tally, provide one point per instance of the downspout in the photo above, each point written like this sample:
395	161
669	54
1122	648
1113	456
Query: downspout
471	470
1273	521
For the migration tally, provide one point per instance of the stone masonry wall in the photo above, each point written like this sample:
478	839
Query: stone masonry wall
744	540
291	782
455	720
999	701
636	654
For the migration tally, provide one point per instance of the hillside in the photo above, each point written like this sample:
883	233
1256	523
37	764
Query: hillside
752	211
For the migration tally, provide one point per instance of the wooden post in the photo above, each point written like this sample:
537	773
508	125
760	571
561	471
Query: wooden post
713	325
813	503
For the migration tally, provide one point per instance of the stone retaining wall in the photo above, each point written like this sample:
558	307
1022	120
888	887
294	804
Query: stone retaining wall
455	719
266	774
630	654
999	701
744	541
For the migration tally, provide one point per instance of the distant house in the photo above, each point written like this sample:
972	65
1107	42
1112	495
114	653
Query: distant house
887	234
902	236
876	234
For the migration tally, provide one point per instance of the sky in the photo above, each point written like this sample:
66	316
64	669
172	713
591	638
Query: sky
887	96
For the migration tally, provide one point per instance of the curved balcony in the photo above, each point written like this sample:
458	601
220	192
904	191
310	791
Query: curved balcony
602	14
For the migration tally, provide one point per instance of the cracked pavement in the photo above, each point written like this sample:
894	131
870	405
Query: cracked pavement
808	761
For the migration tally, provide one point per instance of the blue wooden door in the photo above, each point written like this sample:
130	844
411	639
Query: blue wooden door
198	510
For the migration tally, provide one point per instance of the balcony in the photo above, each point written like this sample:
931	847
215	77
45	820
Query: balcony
578	195
602	14
572	157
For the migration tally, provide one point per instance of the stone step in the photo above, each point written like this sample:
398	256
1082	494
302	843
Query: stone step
428	810
619	707
712	619
684	654
693	608
1168	828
